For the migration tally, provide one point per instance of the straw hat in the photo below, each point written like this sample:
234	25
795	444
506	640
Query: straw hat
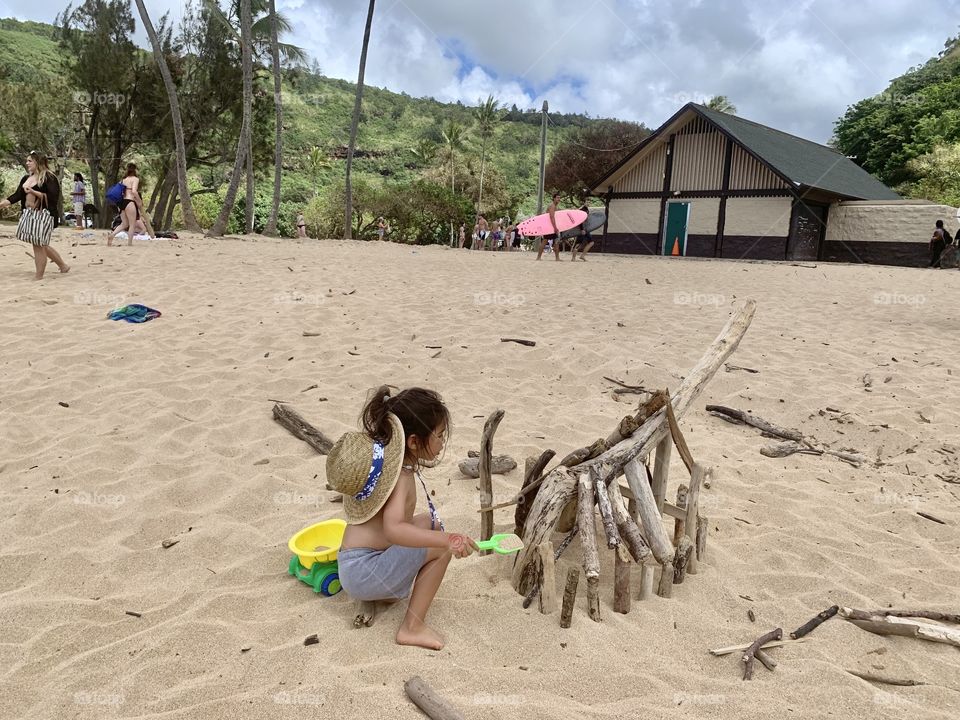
365	471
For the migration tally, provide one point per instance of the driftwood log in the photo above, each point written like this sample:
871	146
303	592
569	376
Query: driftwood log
893	625
750	652
521	497
560	486
703	525
621	585
678	523
588	541
499	465
425	698
629	530
682	558
925	614
548	578
882	680
815	622
693	506
486	476
606	515
569	596
650	517
764	657
536	566
301	429
678	438
532	478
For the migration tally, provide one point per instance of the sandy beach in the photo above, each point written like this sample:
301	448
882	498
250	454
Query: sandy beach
117	437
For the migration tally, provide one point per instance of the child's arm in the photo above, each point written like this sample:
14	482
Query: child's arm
399	531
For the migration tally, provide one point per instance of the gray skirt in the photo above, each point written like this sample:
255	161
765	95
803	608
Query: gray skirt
368	574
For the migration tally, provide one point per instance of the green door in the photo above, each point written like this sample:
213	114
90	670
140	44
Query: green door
675	229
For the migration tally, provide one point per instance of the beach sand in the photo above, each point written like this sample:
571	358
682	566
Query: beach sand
116	437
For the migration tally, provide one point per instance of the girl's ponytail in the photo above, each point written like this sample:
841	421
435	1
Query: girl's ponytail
374	418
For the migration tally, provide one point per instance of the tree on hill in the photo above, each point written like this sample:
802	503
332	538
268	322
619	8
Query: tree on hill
487	117
354	124
582	160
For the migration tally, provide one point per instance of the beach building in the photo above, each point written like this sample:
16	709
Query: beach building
710	184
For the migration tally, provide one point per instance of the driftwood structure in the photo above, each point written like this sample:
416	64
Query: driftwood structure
632	516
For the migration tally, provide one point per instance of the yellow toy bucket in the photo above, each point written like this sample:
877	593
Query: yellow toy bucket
318	543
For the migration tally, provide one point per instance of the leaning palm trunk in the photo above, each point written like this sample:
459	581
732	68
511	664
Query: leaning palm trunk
189	218
271	228
245	132
483	158
348	210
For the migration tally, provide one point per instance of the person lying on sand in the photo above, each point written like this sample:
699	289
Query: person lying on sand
388	552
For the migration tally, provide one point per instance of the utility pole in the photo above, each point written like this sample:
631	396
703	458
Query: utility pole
543	157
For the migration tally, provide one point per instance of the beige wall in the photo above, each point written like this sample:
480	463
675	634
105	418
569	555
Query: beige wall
703	216
758	216
634	216
887	222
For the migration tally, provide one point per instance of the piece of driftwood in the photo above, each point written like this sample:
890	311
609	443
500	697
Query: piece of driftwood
678	438
651	520
519	341
606	515
893	625
747	418
750	653
928	516
301	429
621	585
560	486
521	496
425	698
629	530
678	523
870	677
925	614
366	614
764	657
532	478
682	558
731	368
693	505
789	447
703	525
588	541
548	578
766	646
815	622
665	588
486	476
569	596
499	465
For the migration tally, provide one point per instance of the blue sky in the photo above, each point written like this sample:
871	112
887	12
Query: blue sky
793	65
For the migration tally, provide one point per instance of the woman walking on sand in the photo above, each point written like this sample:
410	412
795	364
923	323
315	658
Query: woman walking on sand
131	206
39	196
79	198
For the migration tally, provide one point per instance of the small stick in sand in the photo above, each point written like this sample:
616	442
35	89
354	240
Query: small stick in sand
569	596
718	652
486	475
751	651
870	677
528	343
764	657
425	698
812	625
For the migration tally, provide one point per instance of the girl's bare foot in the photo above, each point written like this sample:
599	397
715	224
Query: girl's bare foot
65	269
420	636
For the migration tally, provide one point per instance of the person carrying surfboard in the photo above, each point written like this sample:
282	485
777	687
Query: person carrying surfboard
584	241
555	235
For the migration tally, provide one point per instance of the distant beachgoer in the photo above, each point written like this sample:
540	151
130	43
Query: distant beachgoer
584	241
941	238
79	198
301	226
463	235
39	196
483	232
131	206
496	236
555	235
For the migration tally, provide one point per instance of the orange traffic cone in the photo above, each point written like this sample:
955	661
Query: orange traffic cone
676	247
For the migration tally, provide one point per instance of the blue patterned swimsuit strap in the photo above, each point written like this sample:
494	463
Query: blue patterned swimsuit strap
434	515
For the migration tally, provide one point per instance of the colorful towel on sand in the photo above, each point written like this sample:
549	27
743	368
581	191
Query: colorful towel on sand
134	313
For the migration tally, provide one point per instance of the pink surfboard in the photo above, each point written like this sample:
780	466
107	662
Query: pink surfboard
541	225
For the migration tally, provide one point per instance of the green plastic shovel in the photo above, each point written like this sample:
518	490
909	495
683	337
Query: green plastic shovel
502	543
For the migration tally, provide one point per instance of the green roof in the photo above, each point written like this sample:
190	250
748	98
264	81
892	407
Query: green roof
804	162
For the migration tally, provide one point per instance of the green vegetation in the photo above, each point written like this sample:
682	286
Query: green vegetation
909	135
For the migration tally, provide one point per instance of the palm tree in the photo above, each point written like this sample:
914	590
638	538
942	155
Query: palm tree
425	152
348	210
487	116
271	228
721	103
317	162
246	134
453	138
186	205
